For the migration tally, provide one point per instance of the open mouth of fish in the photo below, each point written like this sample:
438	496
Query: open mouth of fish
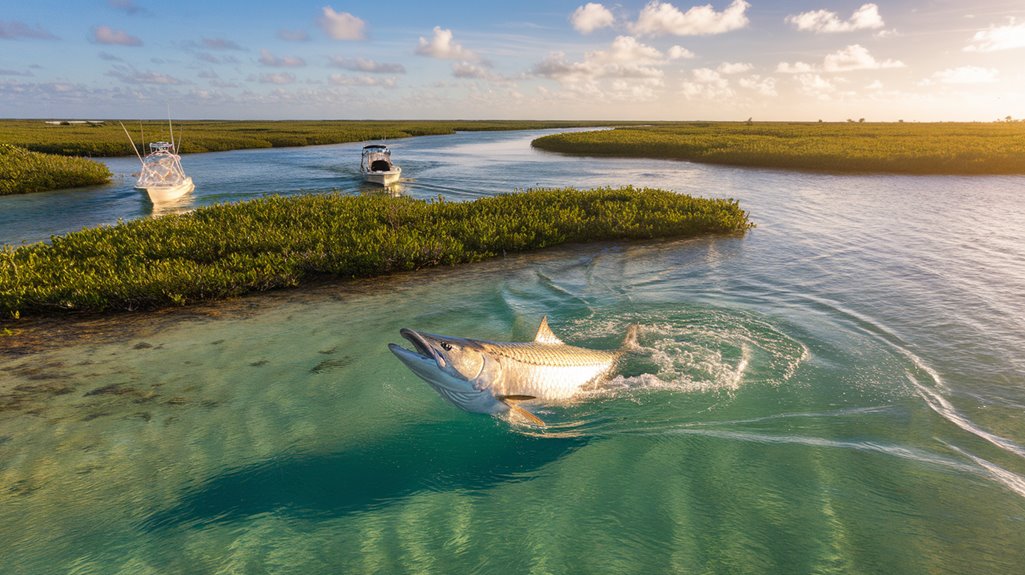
420	346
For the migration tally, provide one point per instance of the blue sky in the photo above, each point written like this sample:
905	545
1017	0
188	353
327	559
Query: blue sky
643	60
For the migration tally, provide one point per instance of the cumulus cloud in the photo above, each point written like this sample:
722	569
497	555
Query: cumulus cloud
130	75
853	57
442	46
625	58
107	35
341	25
826	22
14	30
590	17
734	67
705	83
293	35
628	68
471	71
365	65
856	57
661	18
268	59
966	75
679	53
795	68
279	78
816	85
362	81
998	38
763	86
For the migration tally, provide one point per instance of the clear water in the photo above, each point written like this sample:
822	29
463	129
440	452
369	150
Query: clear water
842	390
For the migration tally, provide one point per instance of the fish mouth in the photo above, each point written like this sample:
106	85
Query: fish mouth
420	345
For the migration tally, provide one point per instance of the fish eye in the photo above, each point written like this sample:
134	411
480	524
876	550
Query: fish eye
446	345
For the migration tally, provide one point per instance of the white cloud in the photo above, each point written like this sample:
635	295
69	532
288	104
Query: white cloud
442	46
764	86
680	53
362	81
659	18
706	83
590	17
856	57
280	78
130	75
627	69
795	68
853	57
107	35
341	25
825	22
816	85
365	65
471	71
998	38
627	50
734	67
966	75
268	59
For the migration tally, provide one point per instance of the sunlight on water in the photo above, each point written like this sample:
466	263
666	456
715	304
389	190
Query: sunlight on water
838	391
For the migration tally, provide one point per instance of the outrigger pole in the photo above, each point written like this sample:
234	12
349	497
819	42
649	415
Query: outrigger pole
134	149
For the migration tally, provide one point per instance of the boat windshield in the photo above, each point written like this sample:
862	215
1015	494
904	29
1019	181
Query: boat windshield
161	167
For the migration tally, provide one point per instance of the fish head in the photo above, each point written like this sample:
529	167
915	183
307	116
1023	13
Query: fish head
457	368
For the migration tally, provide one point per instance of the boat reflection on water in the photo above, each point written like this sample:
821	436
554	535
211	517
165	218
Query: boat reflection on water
394	190
179	205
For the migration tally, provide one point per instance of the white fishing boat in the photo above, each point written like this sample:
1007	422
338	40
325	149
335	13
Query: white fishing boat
377	167
162	176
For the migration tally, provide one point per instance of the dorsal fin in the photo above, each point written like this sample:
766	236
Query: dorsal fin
545	335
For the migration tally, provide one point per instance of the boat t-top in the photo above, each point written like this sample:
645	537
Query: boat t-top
377	167
162	175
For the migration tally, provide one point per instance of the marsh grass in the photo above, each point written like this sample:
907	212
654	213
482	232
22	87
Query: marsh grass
22	171
232	249
902	148
217	136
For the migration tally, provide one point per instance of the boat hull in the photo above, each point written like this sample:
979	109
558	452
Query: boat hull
383	178
158	194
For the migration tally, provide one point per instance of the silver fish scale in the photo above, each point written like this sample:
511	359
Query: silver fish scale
543	354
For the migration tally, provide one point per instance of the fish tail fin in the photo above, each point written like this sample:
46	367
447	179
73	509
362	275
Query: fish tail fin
630	341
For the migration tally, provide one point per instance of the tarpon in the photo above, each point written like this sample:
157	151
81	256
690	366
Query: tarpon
482	376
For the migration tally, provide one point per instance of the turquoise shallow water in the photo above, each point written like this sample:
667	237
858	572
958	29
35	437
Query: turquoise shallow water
842	390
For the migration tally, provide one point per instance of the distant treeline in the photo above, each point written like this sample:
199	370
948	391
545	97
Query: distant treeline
109	139
901	148
22	171
232	249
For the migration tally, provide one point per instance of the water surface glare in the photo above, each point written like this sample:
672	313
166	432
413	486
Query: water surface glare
842	390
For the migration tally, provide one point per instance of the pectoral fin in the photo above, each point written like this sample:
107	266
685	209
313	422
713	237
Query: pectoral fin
510	401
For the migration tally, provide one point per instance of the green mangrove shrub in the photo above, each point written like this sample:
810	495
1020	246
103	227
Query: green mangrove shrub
22	171
196	136
232	249
905	148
